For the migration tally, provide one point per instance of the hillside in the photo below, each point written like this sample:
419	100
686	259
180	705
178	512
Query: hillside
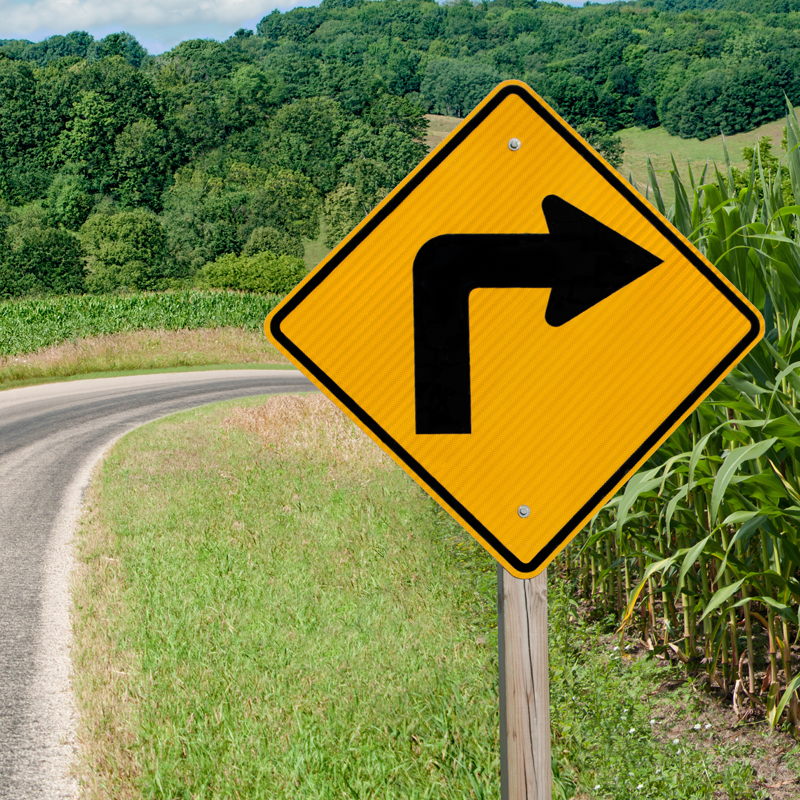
125	171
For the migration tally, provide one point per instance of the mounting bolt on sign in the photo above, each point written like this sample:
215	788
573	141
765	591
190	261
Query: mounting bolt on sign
496	296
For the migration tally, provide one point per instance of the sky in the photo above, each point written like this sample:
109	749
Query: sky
158	24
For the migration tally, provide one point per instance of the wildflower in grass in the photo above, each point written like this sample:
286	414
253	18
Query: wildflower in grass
697	727
632	730
652	722
675	741
640	787
708	725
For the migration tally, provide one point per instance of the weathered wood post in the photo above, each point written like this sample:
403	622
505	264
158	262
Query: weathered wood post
526	772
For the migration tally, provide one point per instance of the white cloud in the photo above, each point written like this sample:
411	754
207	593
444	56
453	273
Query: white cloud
158	24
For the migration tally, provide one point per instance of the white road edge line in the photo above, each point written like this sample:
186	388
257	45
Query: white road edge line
52	693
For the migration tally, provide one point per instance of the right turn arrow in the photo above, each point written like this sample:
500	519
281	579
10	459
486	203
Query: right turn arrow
581	260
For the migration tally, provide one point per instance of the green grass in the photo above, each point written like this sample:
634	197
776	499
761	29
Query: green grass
621	733
295	627
269	607
30	324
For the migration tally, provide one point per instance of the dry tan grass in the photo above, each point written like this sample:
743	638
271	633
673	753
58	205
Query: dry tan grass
101	663
313	426
439	127
142	350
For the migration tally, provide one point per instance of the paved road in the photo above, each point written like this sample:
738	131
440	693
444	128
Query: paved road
50	438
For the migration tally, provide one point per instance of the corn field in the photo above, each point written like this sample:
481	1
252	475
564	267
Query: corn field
32	323
699	554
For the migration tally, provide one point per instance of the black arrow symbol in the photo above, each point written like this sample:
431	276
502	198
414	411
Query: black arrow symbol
581	260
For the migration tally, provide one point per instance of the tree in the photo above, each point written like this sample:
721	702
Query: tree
114	97
141	164
77	43
41	261
124	45
387	155
724	101
388	109
344	209
208	214
578	99
304	138
273	240
256	92
125	251
69	200
455	87
609	146
22	176
645	113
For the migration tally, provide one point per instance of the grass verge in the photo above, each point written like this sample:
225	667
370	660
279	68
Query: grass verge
267	606
140	351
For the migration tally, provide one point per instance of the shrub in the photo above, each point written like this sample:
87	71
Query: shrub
264	272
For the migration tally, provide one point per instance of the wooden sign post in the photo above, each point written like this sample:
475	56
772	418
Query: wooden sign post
526	772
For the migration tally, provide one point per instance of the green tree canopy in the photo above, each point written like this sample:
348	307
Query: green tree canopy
124	251
41	260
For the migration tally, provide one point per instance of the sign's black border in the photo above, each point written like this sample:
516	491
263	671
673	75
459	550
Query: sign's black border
638	203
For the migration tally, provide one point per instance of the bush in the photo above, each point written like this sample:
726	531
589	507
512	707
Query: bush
264	272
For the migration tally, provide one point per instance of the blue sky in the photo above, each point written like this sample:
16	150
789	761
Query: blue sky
157	24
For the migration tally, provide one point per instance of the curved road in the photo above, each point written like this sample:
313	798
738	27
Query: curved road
50	438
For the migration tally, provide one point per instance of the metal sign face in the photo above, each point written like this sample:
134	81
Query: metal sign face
517	327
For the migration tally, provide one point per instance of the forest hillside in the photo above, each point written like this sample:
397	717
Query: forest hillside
122	170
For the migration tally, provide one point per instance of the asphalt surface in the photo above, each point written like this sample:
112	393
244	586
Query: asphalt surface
51	436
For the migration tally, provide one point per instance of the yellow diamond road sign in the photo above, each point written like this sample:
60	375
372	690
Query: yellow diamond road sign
517	327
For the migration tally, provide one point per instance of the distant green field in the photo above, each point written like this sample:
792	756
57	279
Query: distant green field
659	145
